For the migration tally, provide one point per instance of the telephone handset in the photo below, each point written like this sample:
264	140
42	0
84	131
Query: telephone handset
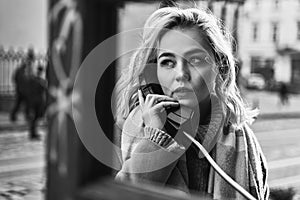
173	112
176	116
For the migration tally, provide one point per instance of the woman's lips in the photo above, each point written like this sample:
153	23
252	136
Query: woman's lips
182	91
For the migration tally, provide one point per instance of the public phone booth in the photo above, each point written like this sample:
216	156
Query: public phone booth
76	27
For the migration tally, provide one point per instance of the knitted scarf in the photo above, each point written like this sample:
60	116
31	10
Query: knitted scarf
236	150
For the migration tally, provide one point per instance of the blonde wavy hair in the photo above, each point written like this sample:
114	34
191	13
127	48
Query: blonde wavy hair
220	41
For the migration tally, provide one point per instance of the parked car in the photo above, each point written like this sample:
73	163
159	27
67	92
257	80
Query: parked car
256	81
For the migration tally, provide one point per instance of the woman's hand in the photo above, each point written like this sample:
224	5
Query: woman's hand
153	108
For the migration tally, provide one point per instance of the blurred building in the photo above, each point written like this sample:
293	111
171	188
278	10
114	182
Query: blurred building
269	40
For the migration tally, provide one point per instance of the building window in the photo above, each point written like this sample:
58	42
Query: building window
295	79
254	31
263	66
276	4
298	30
275	32
255	64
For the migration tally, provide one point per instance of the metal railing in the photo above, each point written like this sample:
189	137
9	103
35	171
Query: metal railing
10	60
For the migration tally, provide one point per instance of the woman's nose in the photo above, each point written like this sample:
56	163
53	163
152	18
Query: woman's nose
182	72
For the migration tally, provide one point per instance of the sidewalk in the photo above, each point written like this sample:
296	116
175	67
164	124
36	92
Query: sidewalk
270	107
19	124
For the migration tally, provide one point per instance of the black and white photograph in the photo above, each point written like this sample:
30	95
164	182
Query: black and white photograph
149	99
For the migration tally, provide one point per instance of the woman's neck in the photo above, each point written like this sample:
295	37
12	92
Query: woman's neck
205	110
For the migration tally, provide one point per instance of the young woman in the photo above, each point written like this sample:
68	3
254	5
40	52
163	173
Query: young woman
189	55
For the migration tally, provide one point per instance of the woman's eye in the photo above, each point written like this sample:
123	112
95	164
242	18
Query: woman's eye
167	63
199	61
195	61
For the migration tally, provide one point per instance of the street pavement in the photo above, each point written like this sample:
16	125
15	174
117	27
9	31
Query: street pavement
22	166
280	142
22	161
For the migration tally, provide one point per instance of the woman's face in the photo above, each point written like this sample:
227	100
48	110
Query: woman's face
185	66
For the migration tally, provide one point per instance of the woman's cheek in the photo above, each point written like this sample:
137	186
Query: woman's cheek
166	90
210	82
206	80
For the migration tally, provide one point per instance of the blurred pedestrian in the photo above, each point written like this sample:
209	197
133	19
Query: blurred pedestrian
36	101
283	94
31	91
20	77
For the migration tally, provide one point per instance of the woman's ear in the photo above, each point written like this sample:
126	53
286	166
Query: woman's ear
222	63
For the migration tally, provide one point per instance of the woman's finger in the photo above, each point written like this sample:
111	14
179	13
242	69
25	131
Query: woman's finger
166	104
141	98
156	98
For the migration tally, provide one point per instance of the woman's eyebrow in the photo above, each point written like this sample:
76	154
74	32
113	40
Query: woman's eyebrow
166	54
194	51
